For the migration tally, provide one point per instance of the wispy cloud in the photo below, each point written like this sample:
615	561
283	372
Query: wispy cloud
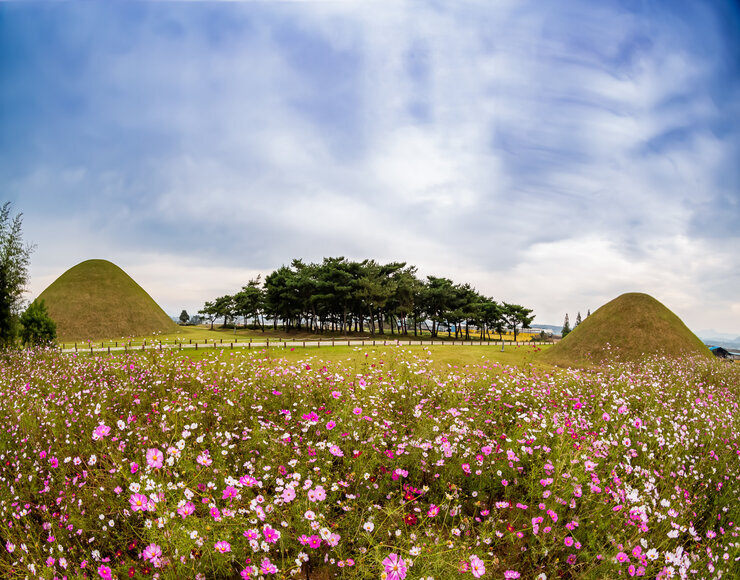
552	153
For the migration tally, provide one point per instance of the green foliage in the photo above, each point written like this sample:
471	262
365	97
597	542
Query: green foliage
517	316
14	259
338	294
37	328
184	317
566	327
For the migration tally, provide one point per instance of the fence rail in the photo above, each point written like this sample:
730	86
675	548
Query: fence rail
109	347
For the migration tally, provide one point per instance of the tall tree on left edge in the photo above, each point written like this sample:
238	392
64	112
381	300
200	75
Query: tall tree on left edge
15	256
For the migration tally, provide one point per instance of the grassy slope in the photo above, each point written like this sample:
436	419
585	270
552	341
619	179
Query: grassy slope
628	327
96	299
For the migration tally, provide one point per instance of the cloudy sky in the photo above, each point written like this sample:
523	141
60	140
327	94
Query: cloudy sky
551	153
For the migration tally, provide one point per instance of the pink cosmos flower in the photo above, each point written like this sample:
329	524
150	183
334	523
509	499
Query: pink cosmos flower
511	574
229	492
395	567
622	557
186	509
134	467
100	432
433	511
268	567
139	502
247	480
104	572
288	494
357	411
204	459
222	546
314	541
568	541
152	551
271	536
154	458
477	567
330	425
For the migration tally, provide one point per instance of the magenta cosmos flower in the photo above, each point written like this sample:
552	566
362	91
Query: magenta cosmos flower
222	547
395	567
100	432
139	502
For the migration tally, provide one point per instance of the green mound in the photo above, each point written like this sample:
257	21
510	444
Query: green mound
96	299
629	327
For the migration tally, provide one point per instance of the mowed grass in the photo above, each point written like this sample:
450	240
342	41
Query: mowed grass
205	335
337	464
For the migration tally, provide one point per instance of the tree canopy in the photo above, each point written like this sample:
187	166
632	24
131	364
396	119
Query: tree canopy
343	295
14	260
37	328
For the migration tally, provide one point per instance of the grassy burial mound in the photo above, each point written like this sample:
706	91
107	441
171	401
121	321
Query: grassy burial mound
629	327
96	299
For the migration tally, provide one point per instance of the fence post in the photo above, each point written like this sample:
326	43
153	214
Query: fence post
196	345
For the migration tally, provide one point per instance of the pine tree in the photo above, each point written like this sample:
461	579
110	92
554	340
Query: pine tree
566	327
578	319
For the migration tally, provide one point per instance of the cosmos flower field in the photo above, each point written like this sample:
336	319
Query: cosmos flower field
243	466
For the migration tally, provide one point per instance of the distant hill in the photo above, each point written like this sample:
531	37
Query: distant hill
629	327
96	299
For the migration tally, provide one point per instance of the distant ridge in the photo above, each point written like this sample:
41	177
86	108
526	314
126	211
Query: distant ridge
96	299
629	327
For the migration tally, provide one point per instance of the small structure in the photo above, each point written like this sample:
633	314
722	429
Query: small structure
720	352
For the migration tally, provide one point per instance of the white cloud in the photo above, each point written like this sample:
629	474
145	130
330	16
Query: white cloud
498	145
